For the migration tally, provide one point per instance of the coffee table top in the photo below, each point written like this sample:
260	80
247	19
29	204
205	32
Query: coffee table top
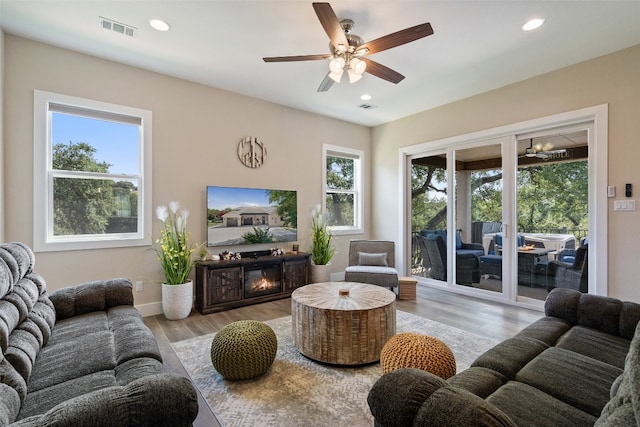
343	296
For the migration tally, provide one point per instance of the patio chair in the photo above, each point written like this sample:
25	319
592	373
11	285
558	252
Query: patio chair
461	247
373	262
426	262
467	265
571	275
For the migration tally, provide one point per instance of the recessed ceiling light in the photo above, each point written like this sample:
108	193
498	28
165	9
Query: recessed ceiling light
159	24
365	97
532	24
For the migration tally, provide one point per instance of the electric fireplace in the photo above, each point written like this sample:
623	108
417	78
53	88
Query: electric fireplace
262	278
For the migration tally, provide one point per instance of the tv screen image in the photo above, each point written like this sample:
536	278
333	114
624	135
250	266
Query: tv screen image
245	216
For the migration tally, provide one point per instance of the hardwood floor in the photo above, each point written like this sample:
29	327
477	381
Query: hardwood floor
485	318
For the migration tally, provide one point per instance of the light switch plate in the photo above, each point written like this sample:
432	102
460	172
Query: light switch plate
624	205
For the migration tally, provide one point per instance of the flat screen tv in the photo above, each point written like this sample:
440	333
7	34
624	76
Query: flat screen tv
241	216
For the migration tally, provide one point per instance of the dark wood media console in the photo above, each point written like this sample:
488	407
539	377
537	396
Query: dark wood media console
256	277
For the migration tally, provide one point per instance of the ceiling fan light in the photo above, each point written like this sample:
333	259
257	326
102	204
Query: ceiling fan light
353	76
357	65
336	77
336	65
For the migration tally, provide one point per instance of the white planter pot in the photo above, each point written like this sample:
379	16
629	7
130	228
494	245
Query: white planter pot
320	273
177	300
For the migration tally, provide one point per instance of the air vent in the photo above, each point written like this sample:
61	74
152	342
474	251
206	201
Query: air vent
368	106
117	27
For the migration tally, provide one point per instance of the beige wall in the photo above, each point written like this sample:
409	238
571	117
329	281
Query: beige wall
196	130
612	80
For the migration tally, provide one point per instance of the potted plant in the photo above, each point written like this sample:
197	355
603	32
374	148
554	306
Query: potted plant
175	255
322	249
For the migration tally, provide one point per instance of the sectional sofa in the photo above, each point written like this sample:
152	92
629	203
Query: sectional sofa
577	366
80	356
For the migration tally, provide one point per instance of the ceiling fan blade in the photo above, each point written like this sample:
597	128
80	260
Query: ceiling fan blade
326	84
296	58
398	38
383	72
331	24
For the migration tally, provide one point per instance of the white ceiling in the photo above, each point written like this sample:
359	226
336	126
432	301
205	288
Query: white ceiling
477	45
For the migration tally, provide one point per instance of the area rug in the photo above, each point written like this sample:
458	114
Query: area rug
297	391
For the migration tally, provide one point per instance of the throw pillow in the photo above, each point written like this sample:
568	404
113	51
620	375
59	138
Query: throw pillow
378	260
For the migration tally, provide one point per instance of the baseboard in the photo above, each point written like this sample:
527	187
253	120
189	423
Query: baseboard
151	309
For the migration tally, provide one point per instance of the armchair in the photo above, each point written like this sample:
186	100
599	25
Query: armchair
372	261
467	264
571	275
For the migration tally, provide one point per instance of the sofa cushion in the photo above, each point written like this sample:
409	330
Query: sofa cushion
462	409
479	381
561	373
525	405
509	356
548	330
607	348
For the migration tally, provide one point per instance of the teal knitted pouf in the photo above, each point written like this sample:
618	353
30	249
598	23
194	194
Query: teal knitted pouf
244	349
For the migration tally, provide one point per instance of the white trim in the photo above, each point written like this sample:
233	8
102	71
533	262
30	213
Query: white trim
598	177
43	240
149	309
358	177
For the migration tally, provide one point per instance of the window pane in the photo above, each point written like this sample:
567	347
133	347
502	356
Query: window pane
93	145
340	173
340	209
94	206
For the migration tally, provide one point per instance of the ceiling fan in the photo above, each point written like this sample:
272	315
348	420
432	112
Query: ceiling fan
348	50
540	152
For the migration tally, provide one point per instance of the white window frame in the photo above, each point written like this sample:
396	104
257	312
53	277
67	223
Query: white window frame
358	174
43	238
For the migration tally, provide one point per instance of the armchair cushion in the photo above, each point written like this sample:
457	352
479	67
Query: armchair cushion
382	276
365	258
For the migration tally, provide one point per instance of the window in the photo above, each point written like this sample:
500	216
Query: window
92	173
343	188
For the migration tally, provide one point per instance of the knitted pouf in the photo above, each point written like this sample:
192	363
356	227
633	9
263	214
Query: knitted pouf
243	349
409	350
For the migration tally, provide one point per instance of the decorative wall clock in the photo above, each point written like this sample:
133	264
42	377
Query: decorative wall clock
252	152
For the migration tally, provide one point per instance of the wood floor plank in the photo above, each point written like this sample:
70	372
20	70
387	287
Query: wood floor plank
486	318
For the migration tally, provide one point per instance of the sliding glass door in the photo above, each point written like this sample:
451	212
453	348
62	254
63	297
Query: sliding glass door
552	185
505	216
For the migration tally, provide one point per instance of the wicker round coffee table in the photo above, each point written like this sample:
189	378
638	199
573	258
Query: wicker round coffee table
342	323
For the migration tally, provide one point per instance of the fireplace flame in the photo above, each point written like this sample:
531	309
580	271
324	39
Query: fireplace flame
261	285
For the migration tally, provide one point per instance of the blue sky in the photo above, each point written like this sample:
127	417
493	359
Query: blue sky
116	143
231	197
